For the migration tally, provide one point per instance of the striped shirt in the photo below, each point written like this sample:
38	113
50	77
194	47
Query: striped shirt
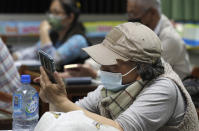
9	77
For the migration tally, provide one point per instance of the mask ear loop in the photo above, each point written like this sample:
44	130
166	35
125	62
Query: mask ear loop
129	71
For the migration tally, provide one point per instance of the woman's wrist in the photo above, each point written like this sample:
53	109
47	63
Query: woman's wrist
66	106
44	36
43	32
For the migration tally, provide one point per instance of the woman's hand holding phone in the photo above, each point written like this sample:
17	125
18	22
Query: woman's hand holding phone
78	70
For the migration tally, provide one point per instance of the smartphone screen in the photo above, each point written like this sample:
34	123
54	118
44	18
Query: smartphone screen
48	64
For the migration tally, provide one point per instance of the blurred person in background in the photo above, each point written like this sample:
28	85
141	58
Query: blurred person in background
61	35
148	12
9	78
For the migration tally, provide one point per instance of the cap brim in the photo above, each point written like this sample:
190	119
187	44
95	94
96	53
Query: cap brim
102	55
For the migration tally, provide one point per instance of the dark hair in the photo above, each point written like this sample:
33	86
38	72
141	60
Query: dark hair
70	6
76	27
150	71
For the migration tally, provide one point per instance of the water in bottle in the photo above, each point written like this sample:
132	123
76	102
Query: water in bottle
25	106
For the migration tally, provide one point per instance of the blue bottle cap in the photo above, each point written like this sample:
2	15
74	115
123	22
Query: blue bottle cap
25	79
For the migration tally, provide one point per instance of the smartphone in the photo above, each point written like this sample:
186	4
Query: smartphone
48	64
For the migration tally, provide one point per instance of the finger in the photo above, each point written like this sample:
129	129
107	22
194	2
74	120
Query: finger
43	97
72	67
74	73
42	90
86	66
44	76
42	83
37	80
59	80
79	65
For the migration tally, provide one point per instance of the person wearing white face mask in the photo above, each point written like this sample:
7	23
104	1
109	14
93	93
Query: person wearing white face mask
113	81
61	35
139	91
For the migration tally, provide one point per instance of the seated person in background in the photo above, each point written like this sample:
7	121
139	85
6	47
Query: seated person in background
148	12
192	85
9	77
61	36
139	91
89	68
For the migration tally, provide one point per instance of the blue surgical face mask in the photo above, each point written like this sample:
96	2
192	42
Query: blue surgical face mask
113	81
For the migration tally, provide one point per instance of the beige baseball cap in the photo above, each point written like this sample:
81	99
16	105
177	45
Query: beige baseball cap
128	42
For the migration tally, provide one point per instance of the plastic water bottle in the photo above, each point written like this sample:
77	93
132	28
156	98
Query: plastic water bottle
25	106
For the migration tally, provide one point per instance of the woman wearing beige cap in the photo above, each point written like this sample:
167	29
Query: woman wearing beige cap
139	91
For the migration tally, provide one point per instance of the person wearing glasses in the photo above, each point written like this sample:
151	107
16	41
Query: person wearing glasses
61	35
148	12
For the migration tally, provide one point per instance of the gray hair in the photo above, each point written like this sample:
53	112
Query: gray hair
150	71
150	3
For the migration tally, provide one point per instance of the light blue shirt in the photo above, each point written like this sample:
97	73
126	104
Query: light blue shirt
67	51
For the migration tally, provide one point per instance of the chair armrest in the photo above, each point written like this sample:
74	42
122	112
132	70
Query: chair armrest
5	97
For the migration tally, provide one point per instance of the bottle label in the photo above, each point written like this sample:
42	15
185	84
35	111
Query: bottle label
31	108
17	104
